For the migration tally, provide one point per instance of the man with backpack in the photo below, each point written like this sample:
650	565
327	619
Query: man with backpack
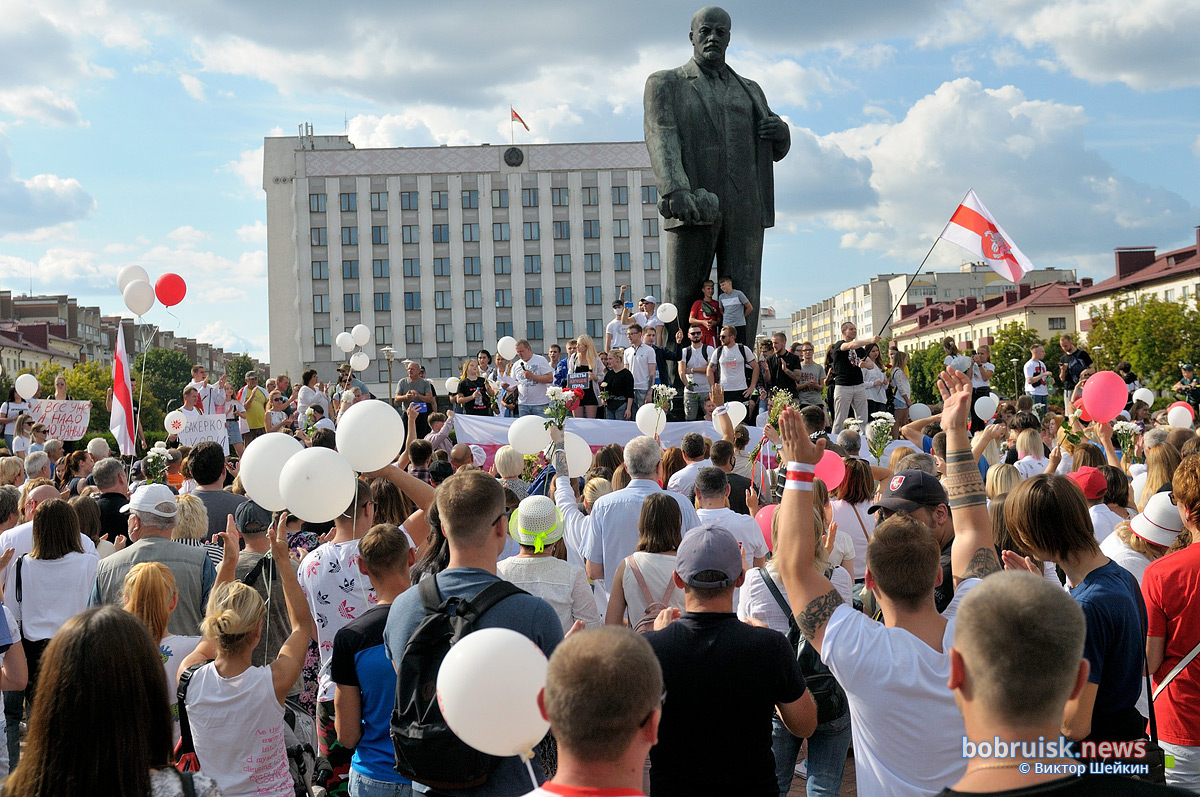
735	368
422	624
693	371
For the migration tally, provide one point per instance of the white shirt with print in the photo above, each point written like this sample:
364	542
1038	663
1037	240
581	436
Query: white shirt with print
337	593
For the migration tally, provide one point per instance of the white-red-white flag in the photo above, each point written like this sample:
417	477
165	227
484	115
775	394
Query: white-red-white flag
121	422
973	228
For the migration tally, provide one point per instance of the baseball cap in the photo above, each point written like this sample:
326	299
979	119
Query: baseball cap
1091	481
709	547
617	303
252	518
1159	523
252	375
650	299
537	522
157	499
478	455
909	490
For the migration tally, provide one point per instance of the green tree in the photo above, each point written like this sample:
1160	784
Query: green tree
923	369
1153	335
1013	342
238	367
87	381
167	372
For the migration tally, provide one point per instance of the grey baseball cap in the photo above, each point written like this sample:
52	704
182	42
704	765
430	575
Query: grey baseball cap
709	547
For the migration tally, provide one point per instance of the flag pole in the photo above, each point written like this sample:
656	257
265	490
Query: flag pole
512	135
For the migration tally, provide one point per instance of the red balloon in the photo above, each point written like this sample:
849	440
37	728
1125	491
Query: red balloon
170	289
1185	405
831	470
1104	395
1083	413
764	517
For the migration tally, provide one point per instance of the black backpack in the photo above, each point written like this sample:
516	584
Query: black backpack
830	698
427	751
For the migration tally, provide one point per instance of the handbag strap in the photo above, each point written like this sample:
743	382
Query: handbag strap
20	612
778	596
1178	668
637	574
861	525
1144	626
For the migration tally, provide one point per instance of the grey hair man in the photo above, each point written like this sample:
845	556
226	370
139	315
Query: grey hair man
53	449
851	441
37	465
98	448
109	475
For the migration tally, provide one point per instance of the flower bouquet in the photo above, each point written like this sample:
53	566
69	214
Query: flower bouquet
309	423
154	464
1127	433
854	424
562	401
879	433
778	399
604	393
663	396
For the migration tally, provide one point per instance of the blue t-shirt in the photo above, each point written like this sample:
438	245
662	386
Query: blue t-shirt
360	660
927	447
525	614
1113	646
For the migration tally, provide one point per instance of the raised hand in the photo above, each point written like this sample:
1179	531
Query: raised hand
955	388
797	447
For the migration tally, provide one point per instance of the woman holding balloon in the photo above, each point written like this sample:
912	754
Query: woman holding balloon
981	384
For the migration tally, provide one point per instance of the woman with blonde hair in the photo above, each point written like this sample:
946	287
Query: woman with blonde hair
234	709
901	390
509	465
12	471
475	393
587	373
1001	479
1161	463
191	526
21	436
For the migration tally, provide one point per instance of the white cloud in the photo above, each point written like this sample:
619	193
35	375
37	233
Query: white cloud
40	104
248	167
59	269
186	236
818	177
188	262
220	333
225	293
1196	147
193	86
44	200
255	233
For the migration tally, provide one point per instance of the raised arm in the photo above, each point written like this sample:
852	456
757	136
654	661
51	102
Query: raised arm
419	492
290	661
914	432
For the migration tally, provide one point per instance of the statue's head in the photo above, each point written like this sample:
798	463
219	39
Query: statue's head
710	36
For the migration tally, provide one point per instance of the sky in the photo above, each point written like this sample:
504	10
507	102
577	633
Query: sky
131	132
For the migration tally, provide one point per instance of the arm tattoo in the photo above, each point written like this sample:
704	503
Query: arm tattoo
817	613
560	461
983	563
963	483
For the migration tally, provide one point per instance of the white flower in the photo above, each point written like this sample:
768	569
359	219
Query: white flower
554	393
1126	428
852	423
884	416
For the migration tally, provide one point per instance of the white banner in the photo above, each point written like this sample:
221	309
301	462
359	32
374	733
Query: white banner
64	420
492	430
206	427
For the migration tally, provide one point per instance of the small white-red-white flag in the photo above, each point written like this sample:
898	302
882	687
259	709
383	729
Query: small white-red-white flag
516	117
121	422
973	228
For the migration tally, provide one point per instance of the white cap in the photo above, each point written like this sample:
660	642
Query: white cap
650	298
157	499
478	455
1159	523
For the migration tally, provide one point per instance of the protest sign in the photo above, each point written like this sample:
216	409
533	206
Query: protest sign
64	420
205	427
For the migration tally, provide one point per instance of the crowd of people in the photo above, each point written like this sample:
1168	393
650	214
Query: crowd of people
1023	579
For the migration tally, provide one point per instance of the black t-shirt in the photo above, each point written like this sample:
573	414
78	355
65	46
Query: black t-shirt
1077	361
775	366
620	384
944	593
113	521
845	370
1078	786
723	679
480	405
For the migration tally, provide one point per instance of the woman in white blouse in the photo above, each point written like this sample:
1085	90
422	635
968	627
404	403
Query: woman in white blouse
653	560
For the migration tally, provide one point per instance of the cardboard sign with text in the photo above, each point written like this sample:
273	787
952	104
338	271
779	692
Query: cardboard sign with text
206	427
64	420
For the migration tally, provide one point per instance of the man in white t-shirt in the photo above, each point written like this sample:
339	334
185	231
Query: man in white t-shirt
207	394
908	731
641	362
533	374
727	367
647	314
712	498
615	336
693	372
603	698
692	447
1037	375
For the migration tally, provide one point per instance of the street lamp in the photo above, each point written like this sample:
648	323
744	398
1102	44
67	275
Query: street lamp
1016	364
390	355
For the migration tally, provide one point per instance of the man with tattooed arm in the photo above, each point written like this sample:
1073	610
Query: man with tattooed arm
907	730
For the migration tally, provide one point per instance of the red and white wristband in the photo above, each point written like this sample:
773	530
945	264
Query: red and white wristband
800	476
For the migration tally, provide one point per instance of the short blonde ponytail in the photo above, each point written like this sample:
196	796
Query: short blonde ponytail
234	612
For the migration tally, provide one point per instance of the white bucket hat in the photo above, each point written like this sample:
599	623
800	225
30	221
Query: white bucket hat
1159	523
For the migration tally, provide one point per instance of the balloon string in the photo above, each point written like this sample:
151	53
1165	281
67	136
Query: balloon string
177	321
528	757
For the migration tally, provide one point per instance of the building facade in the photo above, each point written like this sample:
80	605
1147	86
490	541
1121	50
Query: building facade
441	251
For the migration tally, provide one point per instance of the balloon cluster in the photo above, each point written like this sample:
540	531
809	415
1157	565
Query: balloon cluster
134	284
359	336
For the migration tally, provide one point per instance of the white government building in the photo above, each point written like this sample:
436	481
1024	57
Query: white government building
443	250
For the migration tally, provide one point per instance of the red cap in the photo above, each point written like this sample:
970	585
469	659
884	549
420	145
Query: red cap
1091	481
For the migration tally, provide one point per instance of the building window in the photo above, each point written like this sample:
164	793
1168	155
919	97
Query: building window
650	228
471	266
408	200
1169	295
559	197
591	195
470	200
595	328
412	332
442	300
504	297
381	267
533	264
500	231
531	231
321	336
591	262
474	332
502	264
620	261
383	336
349	202
320	269
620	194
383	302
349	236
318	236
562	230
410	234
591	228
650	260
562	297
653	289
444	333
562	264
378	200
412	300
565	329
620	228
533	330
593	294
499	197
441	233
440	200
470	232
441	267
649	195
504	328
1058	323
350	301
349	269
320	302
412	267
473	299
533	297
316	203
529	197
379	234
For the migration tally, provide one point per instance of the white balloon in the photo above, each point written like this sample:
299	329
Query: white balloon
650	420
262	460
1139	484
737	412
529	435
919	411
985	407
452	384
961	363
317	484
506	347
370	435
26	386
361	334
174	422
995	397
139	297
579	453
1144	395
359	361
667	312
500	722
344	341
1179	417
128	275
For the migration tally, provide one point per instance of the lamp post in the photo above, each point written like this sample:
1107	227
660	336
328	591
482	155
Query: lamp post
390	355
1016	364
